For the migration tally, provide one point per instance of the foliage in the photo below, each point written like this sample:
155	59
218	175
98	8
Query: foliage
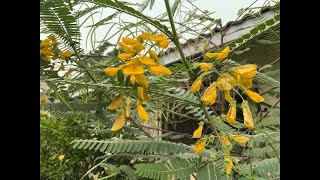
118	112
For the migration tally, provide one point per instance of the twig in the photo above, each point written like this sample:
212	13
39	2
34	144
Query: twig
164	130
268	90
269	109
139	126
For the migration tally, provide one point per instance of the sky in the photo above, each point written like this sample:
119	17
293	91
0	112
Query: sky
226	10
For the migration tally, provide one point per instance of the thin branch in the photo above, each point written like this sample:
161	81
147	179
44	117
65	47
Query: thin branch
269	110
140	127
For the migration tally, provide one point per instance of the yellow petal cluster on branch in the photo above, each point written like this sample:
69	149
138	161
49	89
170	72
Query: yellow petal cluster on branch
248	120
205	66
119	121
49	50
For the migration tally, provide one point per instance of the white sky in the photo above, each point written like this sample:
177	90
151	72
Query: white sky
226	10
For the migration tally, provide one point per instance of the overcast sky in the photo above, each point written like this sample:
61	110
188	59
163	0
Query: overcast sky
226	10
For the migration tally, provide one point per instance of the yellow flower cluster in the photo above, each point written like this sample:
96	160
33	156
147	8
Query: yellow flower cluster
241	76
49	50
43	99
135	64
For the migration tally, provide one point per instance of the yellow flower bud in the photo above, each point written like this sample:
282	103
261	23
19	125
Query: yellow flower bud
212	55
227	96
248	120
205	66
128	108
153	55
132	79
144	36
124	56
232	114
158	38
254	96
224	54
198	132
119	121
226	145
228	163
43	99
200	145
126	48
142	81
164	43
111	71
210	95
116	102
142	112
133	70
157	70
61	157
196	85
140	93
240	139
137	47
147	61
129	41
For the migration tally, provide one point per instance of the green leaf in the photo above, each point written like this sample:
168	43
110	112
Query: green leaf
206	173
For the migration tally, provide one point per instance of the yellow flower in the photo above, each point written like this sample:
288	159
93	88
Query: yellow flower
161	40
111	71
132	79
46	52
129	41
227	96
158	38
254	96
198	132
248	120
157	70
205	66
246	82
246	71
142	81
153	55
43	99
46	58
64	55
196	85
147	61
128	108
200	146
137	47
124	56
240	139
133	70
232	114
126	48
210	95
45	43
224	54
225	82
228	163
132	62
140	93
142	112
212	55
116	102
226	145
144	36
61	157
164	43
119	121
219	56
